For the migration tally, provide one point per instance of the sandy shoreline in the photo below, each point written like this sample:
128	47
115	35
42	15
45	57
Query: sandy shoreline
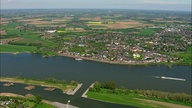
11	94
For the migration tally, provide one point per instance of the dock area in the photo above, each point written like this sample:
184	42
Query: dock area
84	94
75	90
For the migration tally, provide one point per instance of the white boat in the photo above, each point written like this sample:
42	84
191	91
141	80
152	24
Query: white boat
171	78
78	59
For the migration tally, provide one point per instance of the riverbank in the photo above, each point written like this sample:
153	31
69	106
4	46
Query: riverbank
96	60
104	61
68	88
131	100
135	63
107	92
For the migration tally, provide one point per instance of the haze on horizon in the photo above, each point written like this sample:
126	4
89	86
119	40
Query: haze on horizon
180	5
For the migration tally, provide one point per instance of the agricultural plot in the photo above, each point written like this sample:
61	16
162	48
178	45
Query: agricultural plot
3	32
117	24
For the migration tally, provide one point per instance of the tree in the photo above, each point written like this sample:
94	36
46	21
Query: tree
38	99
97	86
109	85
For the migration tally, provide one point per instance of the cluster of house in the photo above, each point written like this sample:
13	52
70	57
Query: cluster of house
9	102
131	49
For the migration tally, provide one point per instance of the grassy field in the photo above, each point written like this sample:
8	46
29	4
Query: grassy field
147	32
131	99
94	22
121	99
108	92
16	48
185	56
43	105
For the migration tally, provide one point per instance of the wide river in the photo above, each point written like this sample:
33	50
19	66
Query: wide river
87	72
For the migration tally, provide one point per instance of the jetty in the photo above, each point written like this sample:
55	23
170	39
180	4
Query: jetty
84	94
72	92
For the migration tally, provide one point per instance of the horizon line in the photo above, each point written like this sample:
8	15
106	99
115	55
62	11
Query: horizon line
93	9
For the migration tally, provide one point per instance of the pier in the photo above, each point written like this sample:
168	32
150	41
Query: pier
75	90
84	94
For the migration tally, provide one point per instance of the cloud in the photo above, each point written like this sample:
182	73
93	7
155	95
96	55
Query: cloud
119	4
7	0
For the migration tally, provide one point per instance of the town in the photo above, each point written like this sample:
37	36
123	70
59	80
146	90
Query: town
103	36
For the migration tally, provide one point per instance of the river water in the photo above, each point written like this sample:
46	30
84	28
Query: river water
87	72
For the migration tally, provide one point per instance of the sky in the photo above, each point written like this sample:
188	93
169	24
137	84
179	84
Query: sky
181	5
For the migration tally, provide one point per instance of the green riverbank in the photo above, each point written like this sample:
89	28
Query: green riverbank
107	92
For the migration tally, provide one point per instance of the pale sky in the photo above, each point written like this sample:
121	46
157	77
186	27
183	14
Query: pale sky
182	5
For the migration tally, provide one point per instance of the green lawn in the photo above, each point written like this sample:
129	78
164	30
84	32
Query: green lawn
16	48
185	56
121	99
147	32
43	105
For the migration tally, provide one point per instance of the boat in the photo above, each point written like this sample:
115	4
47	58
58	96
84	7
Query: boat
171	78
78	59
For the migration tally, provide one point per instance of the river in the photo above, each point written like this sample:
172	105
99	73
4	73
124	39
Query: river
87	72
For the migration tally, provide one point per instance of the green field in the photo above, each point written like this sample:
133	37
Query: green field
94	22
43	105
108	92
147	32
185	56
121	99
16	48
